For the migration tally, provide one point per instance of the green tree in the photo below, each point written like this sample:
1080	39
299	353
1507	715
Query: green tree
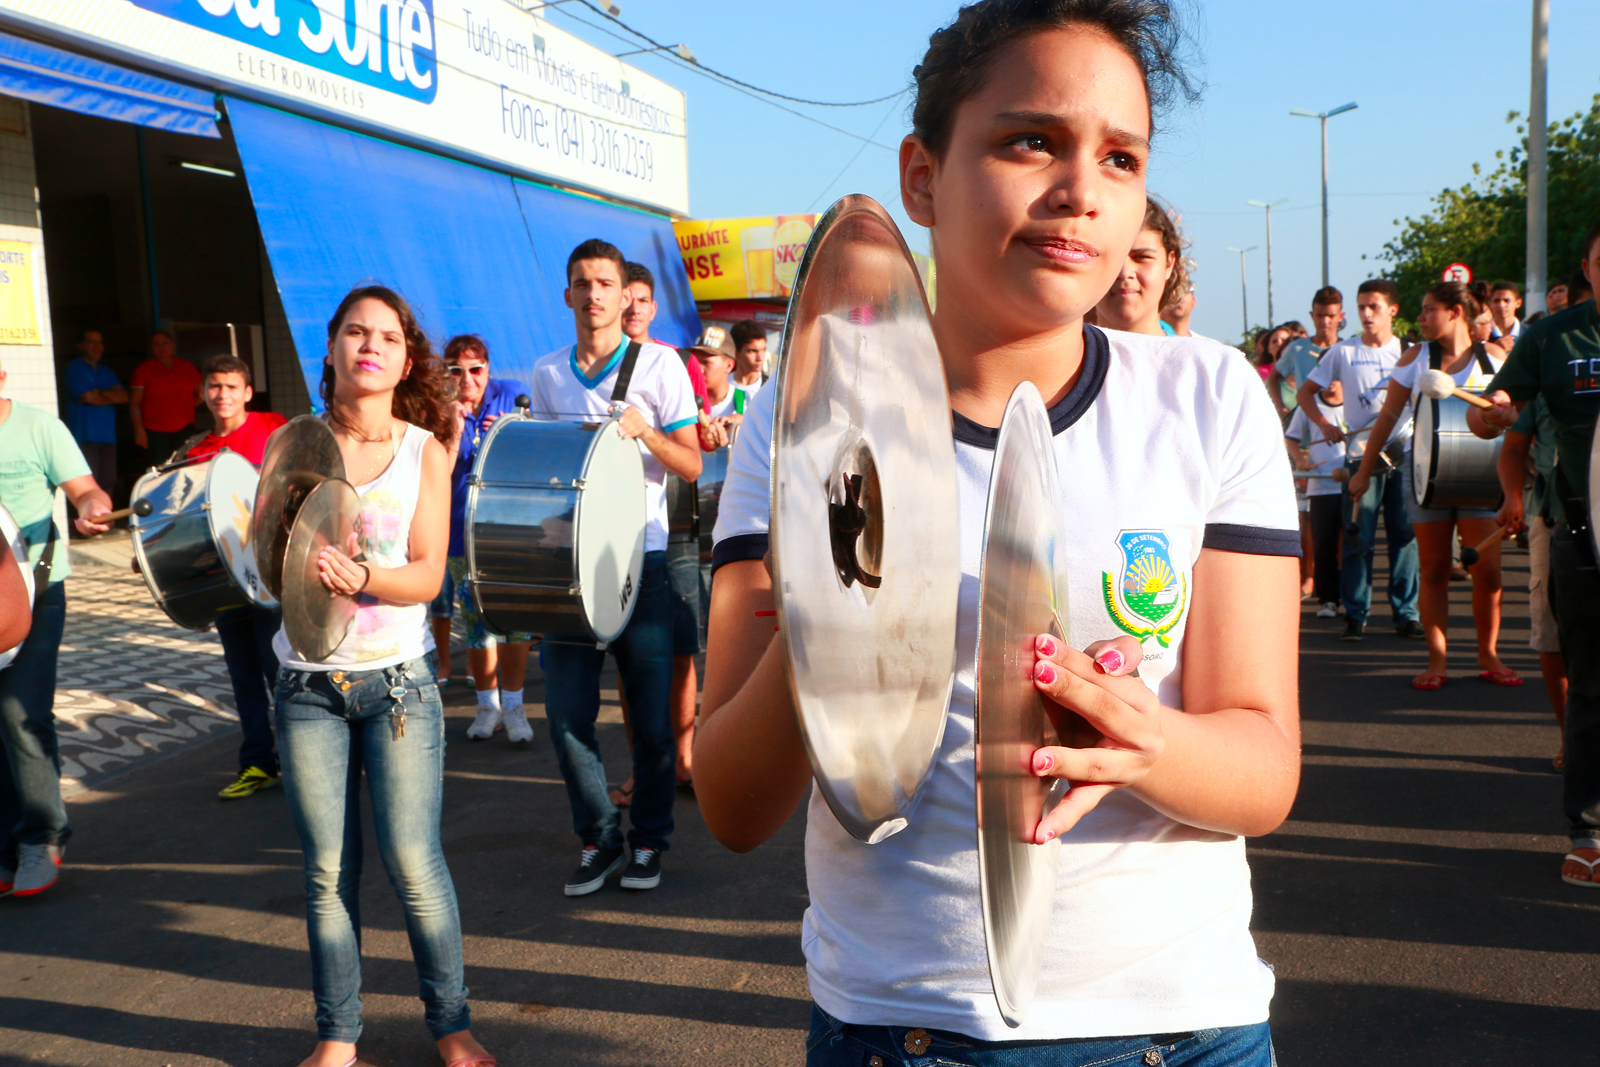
1484	222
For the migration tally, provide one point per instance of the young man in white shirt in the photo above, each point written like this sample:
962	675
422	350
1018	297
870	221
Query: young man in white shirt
1300	356
1505	300
749	361
659	410
1363	364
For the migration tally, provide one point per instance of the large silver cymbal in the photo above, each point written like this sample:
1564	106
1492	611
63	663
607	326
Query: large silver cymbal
315	620
865	540
299	457
1022	594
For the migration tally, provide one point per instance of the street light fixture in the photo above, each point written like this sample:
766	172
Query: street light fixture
1271	318
680	50
604	5
1244	293
1323	117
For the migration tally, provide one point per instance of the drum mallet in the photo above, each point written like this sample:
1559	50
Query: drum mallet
1438	385
1469	556
142	508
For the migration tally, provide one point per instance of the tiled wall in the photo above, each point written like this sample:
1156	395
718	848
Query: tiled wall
30	369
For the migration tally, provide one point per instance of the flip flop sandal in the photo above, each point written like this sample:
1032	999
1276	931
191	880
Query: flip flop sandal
1591	881
1507	677
1429	682
621	797
474	1061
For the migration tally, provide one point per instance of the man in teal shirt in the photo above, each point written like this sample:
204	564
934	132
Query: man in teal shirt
1558	358
37	456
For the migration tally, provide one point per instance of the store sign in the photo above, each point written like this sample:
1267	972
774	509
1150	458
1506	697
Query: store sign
19	314
482	79
387	44
744	259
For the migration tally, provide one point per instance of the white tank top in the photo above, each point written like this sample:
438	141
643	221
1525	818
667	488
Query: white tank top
383	634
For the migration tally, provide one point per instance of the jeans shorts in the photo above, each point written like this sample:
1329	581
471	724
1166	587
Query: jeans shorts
683	576
444	605
832	1043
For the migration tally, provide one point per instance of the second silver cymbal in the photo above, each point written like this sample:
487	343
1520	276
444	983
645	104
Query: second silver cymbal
315	619
1021	595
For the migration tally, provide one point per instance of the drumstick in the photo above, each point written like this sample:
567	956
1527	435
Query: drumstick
1438	385
141	508
1469	556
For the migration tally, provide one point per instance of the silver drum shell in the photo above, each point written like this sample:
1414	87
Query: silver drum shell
526	524
1452	467
177	550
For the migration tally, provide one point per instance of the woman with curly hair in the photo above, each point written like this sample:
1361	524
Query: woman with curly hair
373	704
1152	277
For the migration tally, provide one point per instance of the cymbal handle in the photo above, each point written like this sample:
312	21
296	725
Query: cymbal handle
1472	398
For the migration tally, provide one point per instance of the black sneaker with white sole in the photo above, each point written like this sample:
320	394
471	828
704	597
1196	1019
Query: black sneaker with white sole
645	870
1354	630
594	868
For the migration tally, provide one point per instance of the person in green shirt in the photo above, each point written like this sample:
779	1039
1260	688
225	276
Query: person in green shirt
1558	358
37	456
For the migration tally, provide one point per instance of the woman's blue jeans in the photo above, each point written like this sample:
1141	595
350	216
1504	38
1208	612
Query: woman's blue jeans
332	726
832	1043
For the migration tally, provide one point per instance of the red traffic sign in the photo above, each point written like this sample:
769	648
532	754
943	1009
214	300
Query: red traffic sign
1458	272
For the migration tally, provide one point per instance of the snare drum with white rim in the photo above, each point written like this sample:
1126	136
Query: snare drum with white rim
193	548
1452	467
555	528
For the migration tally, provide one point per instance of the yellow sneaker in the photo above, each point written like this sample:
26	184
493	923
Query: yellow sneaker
250	780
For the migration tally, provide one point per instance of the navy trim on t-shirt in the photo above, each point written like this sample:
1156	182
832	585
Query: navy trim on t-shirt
738	547
1251	540
1068	410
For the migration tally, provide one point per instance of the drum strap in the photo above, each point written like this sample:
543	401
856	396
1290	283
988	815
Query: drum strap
625	373
1481	354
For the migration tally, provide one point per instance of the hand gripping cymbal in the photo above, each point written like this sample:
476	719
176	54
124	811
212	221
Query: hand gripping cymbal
300	456
1021	595
865	539
315	619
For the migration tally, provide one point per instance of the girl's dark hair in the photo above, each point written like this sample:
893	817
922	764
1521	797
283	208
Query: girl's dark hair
958	56
424	395
1158	219
1455	295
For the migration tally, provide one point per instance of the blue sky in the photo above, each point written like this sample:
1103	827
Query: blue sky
1434	80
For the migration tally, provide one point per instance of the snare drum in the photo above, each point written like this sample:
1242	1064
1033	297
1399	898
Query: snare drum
1451	467
193	548
555	524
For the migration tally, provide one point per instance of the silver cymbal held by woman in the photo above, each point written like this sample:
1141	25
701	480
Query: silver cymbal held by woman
865	543
1022	593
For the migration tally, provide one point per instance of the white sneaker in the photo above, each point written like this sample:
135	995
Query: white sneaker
518	730
487	722
38	867
1329	610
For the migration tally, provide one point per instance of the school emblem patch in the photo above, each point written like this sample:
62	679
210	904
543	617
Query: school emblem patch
1150	599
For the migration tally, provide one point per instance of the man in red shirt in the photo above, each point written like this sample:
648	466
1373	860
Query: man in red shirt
246	634
166	390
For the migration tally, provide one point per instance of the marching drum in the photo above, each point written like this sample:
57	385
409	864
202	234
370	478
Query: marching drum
1451	467
555	525
194	546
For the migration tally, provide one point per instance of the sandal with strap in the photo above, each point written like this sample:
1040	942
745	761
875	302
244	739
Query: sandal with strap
1583	871
1506	677
1429	681
474	1061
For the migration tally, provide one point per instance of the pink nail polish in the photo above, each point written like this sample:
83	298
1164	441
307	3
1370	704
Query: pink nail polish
1046	644
1042	762
1048	834
1045	673
1110	660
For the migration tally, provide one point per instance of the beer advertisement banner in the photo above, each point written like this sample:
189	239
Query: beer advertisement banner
744	259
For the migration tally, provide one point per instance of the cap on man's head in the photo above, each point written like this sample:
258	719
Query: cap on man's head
715	340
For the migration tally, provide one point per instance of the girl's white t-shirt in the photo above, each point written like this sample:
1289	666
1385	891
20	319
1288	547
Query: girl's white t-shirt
1470	376
383	634
1164	446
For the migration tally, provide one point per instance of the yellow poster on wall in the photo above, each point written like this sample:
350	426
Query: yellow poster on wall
19	316
743	259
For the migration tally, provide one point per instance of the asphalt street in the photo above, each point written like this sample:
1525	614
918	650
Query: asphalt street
1411	906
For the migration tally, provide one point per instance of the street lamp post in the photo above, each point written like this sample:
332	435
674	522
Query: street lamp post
1271	318
1538	250
679	50
1323	117
1244	292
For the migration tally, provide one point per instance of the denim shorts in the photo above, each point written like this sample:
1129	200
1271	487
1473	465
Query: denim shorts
683	575
1417	513
832	1043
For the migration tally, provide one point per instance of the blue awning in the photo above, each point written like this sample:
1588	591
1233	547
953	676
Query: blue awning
470	249
47	75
